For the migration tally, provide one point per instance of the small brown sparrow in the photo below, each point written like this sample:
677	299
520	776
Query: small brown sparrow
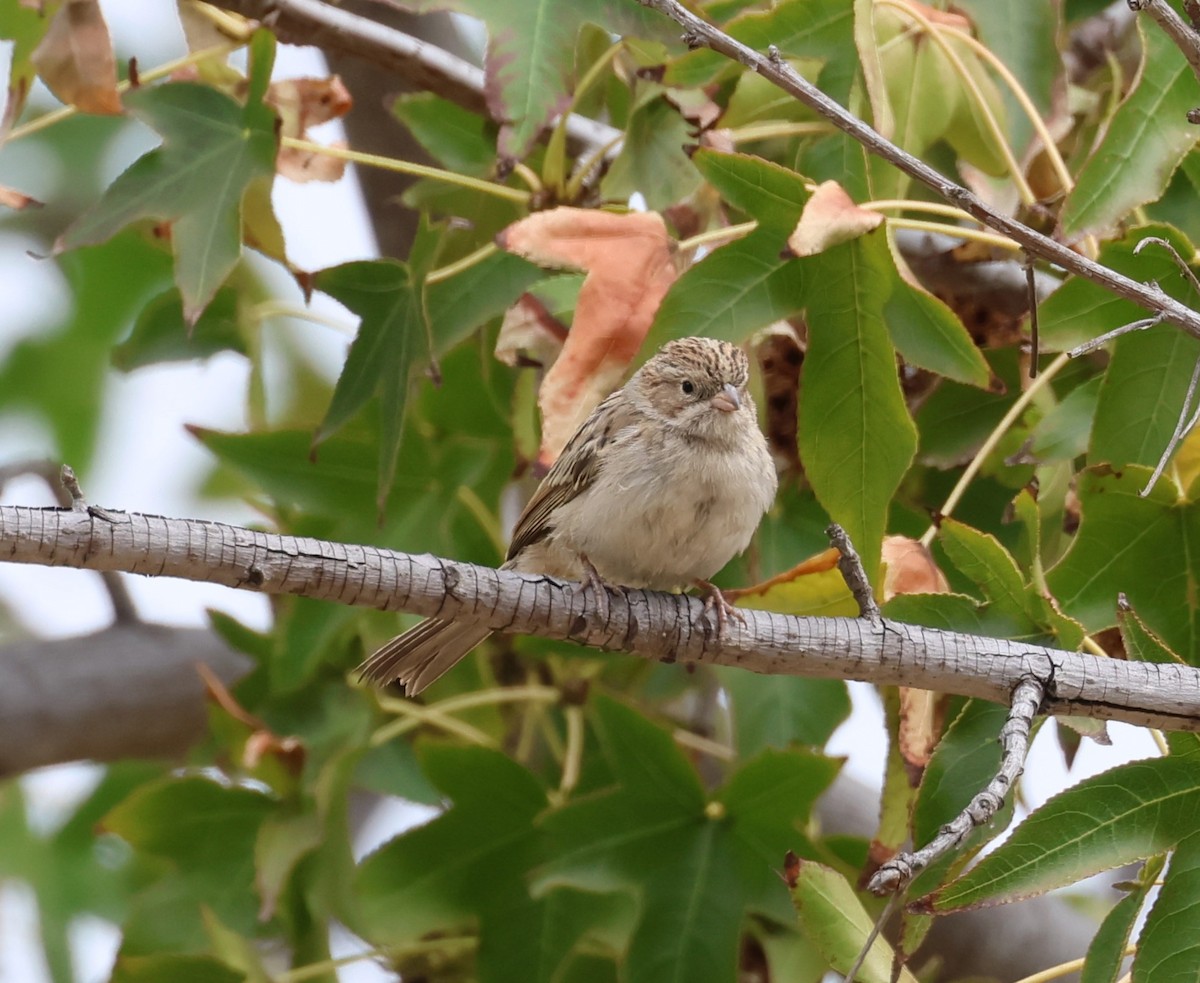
660	487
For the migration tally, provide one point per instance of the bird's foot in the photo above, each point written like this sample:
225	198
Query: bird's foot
598	588
717	607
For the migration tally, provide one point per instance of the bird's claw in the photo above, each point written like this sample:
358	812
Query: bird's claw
595	585
717	606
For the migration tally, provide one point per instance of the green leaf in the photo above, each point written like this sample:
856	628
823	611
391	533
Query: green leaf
697	869
1142	396
780	711
773	195
470	860
732	292
987	564
176	968
161	335
382	355
955	612
1121	536
1063	433
1128	813
799	29
531	54
1081	310
930	335
460	305
212	150
1106	954
462	141
1141	644
206	832
1170	940
471	865
1144	143
834	920
856	440
652	160
1024	37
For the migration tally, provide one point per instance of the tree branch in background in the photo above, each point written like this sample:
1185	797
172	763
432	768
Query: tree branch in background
652	624
423	65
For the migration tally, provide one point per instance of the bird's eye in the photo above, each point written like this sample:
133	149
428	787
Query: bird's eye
688	386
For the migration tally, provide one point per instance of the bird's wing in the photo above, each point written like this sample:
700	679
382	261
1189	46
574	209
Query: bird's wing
574	471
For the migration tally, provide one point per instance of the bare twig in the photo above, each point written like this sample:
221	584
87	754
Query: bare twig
851	568
1179	261
651	624
775	69
1104	339
1034	345
1175	27
897	873
1182	427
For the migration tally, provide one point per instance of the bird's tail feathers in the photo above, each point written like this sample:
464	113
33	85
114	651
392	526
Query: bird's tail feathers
422	654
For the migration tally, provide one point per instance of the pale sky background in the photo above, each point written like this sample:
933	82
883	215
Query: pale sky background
150	464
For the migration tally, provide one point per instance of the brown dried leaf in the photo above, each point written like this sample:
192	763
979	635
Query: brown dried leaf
628	260
830	218
16	200
530	335
75	59
911	570
302	103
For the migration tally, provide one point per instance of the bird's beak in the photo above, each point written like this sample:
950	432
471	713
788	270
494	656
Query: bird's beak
727	399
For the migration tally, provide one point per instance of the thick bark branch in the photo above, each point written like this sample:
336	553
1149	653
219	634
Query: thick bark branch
647	623
130	691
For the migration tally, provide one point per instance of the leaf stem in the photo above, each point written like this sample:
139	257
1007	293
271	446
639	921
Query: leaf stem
1065	969
972	86
466	262
727	232
769	131
438	714
1014	413
959	232
408	167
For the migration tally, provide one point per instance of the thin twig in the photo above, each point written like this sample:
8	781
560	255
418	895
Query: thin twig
775	69
851	568
1033	316
1174	254
1183	426
1104	339
1175	27
897	873
889	909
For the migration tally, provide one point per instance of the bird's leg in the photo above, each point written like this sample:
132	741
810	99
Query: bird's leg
597	587
715	602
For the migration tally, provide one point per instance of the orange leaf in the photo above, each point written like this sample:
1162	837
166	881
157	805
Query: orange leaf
75	59
15	200
629	264
302	103
830	218
912	570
